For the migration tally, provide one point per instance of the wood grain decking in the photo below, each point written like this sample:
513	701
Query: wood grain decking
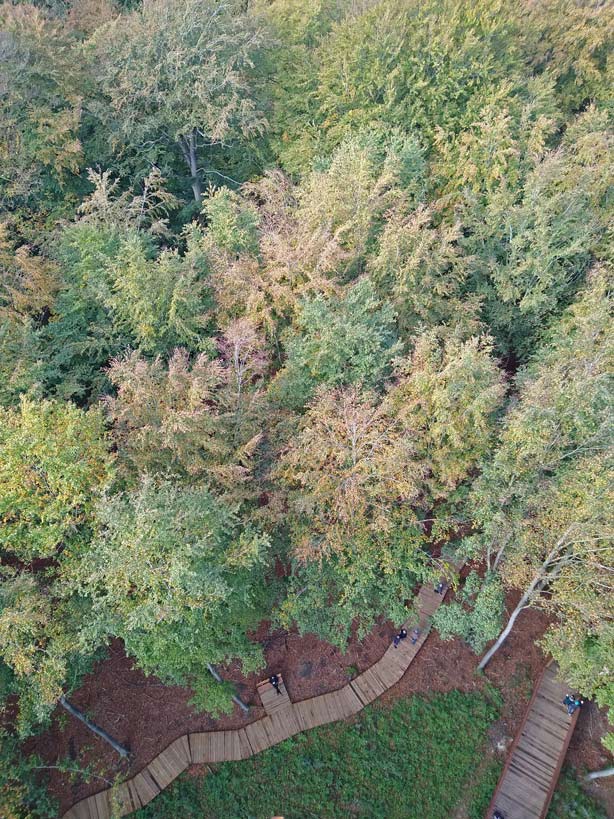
534	762
283	719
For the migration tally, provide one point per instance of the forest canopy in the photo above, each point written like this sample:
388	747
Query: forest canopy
294	299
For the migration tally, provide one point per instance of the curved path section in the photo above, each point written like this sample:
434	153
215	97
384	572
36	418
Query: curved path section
283	719
533	766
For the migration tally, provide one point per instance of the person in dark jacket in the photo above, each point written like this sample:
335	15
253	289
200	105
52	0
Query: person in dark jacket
400	636
274	680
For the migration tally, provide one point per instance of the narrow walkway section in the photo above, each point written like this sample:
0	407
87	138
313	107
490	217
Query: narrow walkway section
283	719
534	763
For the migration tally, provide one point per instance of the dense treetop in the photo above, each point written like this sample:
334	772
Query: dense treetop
293	296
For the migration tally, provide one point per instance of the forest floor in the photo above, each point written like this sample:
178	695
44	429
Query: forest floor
146	715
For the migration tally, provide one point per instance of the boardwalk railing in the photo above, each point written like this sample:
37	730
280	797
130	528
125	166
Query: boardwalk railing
534	763
283	719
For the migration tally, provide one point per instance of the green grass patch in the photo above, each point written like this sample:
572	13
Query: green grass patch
411	760
482	789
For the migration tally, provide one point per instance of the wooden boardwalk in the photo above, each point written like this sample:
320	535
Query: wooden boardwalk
283	719
534	762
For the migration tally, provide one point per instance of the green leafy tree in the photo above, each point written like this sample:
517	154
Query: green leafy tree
573	42
265	256
419	65
79	338
292	76
160	302
232	222
362	180
533	242
542	505
22	795
54	465
447	397
344	340
350	479
174	575
41	108
176	77
199	420
422	270
479	621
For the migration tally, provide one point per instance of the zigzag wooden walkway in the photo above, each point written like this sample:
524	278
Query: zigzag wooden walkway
283	719
533	766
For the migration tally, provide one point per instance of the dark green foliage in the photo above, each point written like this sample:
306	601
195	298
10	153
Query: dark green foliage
476	613
402	344
412	760
571	802
173	574
22	794
339	341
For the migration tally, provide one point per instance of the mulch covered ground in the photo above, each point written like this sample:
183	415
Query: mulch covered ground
145	715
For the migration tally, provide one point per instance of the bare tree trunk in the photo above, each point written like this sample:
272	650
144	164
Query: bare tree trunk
188	149
522	603
123	752
598	774
549	571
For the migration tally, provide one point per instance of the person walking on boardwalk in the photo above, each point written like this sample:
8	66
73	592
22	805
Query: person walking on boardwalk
414	636
440	587
274	680
573	702
400	636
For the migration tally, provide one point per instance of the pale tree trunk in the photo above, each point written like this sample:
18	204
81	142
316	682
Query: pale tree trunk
549	570
598	774
188	149
522	604
123	752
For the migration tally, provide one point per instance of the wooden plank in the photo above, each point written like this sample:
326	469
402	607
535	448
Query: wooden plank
163	769
134	794
80	811
306	714
352	703
282	726
317	710
232	747
398	661
246	748
102	802
121	800
181	747
386	672
170	763
145	787
374	682
361	691
258	736
333	706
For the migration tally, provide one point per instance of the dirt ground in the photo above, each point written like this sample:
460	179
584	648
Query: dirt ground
145	715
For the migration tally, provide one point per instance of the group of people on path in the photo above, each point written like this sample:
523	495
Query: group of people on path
403	634
440	588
